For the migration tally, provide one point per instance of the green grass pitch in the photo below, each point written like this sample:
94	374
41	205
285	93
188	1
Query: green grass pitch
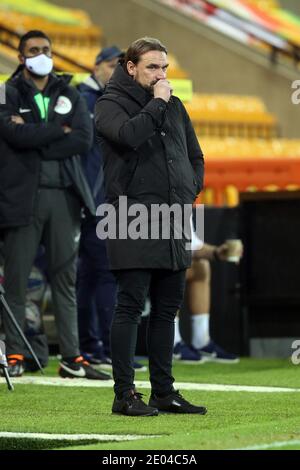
234	420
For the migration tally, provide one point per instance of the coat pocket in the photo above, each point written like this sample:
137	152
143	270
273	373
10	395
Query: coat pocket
194	182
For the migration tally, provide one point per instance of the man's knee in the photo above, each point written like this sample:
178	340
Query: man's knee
165	313
129	307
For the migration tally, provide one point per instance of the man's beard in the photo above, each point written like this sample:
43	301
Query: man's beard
150	88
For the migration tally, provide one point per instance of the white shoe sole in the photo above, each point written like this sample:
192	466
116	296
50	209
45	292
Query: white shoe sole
178	360
221	361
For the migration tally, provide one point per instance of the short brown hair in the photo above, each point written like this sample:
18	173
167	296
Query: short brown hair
141	46
31	34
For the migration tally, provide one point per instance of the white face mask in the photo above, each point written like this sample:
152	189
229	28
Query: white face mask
40	65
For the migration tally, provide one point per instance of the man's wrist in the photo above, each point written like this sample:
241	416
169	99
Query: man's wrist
161	99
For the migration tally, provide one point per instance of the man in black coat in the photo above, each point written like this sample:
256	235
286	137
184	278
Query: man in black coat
44	125
151	158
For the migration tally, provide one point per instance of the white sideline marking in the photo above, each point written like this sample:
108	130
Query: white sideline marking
271	445
73	437
57	381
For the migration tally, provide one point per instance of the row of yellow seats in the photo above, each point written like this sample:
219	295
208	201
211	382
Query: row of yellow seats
250	148
236	130
71	40
64	30
12	39
61	64
224	116
8	52
175	70
230	103
265	4
67	41
22	23
45	9
12	20
86	56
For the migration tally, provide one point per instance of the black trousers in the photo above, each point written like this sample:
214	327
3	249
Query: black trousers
166	290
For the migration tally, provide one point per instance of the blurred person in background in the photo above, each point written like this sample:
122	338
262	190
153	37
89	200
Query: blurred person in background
198	298
96	287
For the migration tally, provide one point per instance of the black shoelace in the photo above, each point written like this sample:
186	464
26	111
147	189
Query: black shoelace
135	396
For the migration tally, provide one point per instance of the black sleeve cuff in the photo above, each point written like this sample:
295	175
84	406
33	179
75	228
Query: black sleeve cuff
156	108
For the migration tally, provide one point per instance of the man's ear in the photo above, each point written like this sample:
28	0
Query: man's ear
21	59
131	68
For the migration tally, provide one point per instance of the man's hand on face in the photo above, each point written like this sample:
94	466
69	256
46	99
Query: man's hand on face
162	89
17	119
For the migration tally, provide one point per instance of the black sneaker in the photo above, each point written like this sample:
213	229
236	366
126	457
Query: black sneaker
133	405
80	369
175	403
15	365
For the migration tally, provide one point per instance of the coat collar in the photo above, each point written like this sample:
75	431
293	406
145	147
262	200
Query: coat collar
122	83
56	82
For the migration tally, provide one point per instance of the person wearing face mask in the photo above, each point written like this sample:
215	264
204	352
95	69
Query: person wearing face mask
44	126
151	156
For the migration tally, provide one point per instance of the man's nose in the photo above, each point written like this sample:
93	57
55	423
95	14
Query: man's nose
161	74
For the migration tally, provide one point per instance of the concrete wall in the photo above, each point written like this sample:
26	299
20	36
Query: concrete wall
215	63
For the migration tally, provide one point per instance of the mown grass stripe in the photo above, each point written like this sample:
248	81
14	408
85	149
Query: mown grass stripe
272	445
74	437
57	381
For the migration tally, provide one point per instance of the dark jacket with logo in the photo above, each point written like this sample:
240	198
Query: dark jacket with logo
152	156
24	146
